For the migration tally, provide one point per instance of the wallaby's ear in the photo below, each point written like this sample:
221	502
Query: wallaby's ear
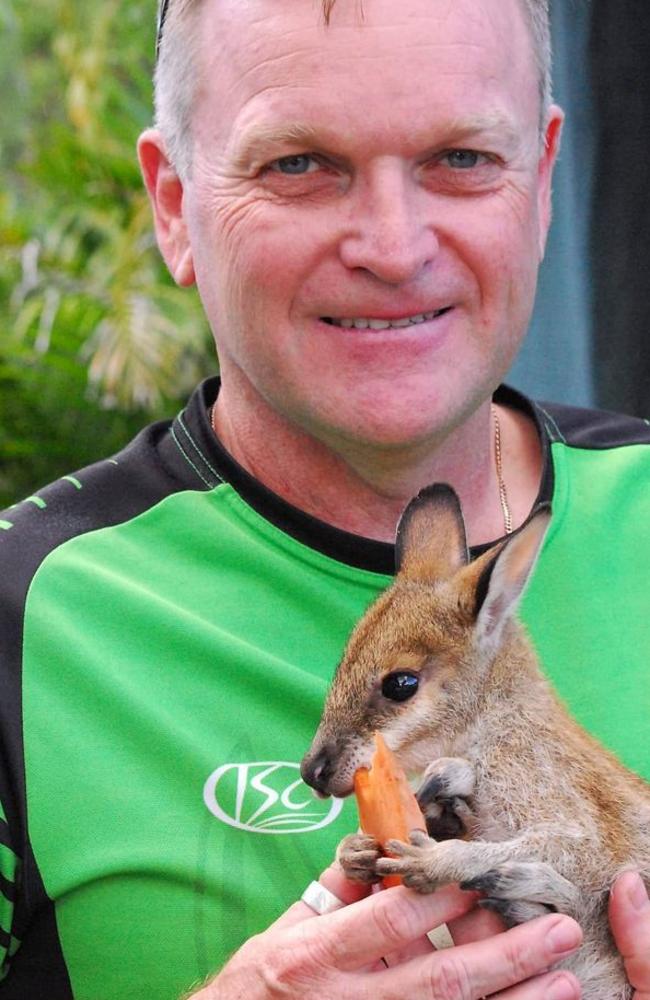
504	577
431	542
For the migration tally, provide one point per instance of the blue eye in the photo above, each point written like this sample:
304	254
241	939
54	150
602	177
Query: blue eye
299	164
400	686
462	159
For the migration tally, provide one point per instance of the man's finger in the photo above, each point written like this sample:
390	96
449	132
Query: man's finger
486	967
475	926
385	923
553	986
334	880
629	916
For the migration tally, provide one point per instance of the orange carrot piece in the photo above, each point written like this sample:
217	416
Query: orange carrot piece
388	809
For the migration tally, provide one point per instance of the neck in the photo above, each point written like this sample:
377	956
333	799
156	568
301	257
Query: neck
363	489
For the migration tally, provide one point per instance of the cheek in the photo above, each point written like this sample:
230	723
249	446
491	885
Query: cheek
501	251
230	234
258	255
510	215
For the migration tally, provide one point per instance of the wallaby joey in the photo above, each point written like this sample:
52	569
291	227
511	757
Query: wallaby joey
443	669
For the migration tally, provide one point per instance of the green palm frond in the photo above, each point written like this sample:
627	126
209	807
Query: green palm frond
91	321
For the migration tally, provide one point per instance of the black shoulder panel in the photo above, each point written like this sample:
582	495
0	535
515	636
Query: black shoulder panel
593	429
38	969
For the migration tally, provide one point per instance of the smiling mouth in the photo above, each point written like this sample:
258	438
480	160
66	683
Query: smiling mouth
363	323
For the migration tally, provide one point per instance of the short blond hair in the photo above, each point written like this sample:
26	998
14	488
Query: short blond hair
175	78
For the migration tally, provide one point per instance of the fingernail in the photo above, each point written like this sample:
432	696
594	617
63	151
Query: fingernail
636	891
561	988
564	937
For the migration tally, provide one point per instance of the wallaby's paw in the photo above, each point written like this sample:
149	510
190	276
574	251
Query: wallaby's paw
450	819
357	855
448	776
412	862
522	890
447	785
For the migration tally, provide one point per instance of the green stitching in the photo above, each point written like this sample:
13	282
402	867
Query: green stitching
196	447
189	460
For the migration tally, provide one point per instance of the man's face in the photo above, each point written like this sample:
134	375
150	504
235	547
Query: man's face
382	170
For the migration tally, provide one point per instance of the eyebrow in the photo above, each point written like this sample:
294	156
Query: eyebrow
259	141
492	122
254	143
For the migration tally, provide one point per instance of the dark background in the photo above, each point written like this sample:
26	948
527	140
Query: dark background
620	225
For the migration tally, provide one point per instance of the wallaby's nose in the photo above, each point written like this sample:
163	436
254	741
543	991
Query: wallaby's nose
317	770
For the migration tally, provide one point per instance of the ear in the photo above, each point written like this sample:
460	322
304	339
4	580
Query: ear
166	196
504	576
431	543
547	160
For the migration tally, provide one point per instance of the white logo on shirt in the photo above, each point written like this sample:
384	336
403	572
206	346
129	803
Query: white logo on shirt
267	797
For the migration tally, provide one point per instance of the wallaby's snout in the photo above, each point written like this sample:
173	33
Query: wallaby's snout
317	770
330	764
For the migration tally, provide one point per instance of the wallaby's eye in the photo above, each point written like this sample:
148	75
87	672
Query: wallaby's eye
399	686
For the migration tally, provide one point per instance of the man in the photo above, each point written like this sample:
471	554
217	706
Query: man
363	205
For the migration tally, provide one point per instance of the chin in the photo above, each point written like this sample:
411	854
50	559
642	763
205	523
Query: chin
407	411
395	431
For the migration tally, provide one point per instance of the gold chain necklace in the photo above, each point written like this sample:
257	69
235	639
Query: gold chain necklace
503	493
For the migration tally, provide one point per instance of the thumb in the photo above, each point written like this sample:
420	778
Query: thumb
629	917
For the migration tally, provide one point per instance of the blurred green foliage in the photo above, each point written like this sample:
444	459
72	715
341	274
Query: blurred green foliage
95	339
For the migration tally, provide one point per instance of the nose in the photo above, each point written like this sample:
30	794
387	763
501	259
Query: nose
317	769
388	234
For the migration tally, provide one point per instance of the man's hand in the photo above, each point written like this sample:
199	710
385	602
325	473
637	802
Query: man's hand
339	955
629	916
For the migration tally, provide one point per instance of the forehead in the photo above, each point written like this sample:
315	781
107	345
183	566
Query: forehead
376	65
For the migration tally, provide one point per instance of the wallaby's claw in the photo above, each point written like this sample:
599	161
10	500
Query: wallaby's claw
357	855
410	862
417	839
413	875
522	890
453	821
443	797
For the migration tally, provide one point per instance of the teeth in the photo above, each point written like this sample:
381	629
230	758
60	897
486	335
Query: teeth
385	324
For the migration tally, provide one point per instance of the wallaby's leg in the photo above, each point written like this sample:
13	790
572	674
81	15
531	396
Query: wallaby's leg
515	911
424	864
445	798
521	890
357	855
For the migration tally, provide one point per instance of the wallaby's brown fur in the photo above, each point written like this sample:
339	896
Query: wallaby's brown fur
553	818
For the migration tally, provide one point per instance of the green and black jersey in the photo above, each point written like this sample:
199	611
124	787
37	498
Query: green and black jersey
168	628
